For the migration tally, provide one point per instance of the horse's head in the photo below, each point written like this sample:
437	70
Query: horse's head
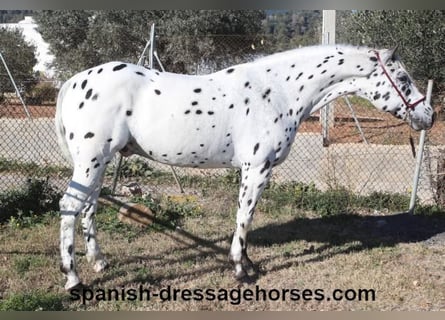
390	88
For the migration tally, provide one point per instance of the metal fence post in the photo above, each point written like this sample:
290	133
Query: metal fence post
328	37
17	92
152	54
412	203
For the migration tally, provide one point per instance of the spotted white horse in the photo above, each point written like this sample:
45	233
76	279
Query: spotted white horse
245	116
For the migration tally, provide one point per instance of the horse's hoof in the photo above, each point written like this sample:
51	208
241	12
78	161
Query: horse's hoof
74	286
100	265
240	275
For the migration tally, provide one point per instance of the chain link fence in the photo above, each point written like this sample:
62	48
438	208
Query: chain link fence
368	150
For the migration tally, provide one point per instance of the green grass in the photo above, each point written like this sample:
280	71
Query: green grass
33	301
23	264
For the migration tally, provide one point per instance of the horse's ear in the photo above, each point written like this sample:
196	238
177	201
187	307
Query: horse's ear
389	54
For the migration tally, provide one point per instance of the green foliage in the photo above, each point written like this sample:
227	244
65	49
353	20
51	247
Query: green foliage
20	59
81	39
419	34
330	202
232	178
291	29
107	221
33	301
383	200
134	167
41	93
181	207
23	264
66	33
23	207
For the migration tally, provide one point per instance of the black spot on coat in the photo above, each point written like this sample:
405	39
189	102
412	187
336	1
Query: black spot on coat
89	93
119	67
266	166
89	135
255	148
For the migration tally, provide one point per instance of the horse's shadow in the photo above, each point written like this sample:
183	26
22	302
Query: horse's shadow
332	235
359	231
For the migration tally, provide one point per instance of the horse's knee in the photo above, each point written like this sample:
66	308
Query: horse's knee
70	205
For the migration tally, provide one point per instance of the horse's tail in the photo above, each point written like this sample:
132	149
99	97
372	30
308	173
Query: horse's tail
60	128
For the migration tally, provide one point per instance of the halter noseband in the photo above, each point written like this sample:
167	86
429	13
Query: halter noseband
406	102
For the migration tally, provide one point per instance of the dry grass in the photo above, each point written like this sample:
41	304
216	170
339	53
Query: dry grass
401	257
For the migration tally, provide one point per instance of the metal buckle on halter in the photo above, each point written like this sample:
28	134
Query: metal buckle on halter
409	105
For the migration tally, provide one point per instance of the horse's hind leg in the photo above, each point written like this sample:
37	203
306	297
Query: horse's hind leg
253	182
80	189
93	253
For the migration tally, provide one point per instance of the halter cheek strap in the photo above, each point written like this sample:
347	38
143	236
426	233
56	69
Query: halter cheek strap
409	105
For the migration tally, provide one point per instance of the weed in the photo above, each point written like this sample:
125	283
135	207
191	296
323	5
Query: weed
232	177
34	301
330	202
25	206
429	210
136	167
170	211
21	265
143	275
183	206
107	221
384	200
24	264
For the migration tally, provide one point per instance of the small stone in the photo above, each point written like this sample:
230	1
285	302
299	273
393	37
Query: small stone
131	189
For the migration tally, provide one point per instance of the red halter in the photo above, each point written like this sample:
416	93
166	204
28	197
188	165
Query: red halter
409	105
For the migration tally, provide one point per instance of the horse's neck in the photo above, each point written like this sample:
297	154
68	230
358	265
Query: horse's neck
306	77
